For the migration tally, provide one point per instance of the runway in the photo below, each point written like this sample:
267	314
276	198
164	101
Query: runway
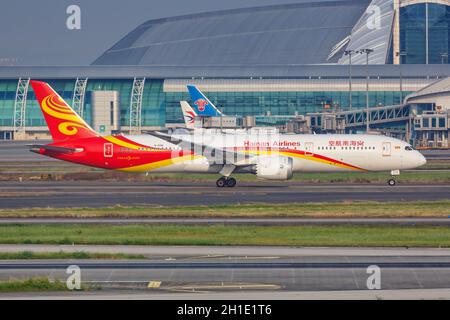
106	193
409	294
186	272
177	252
17	151
237	273
436	154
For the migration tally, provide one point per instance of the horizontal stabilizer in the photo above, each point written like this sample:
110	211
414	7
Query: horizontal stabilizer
37	147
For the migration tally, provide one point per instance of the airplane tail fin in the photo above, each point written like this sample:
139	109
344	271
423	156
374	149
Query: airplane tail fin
63	122
202	105
188	114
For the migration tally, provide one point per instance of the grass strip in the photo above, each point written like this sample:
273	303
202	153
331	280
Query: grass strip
352	236
32	284
349	209
30	255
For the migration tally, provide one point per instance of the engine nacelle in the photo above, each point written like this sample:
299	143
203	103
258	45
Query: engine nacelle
275	168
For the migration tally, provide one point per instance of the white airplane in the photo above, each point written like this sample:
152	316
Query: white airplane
274	156
189	115
310	153
268	155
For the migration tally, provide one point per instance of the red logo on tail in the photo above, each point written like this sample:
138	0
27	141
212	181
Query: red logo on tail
201	103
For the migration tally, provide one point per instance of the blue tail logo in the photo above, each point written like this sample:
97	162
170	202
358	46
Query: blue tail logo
201	103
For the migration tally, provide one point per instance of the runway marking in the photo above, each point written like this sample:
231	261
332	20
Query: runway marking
224	286
115	281
225	257
226	265
416	277
154	284
355	278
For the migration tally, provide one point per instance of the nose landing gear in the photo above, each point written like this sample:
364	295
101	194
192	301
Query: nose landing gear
226	182
392	182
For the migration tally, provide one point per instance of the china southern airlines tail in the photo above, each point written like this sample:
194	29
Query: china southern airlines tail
202	105
188	114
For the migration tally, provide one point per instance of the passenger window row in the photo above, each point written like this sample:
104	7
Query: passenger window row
346	148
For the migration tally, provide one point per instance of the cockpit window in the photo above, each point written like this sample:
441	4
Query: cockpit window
409	148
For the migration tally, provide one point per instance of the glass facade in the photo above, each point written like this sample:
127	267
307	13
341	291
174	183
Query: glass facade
159	108
7	96
438	33
153	103
152	100
425	33
33	112
281	103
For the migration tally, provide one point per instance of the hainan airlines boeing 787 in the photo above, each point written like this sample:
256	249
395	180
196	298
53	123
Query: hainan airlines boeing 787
267	155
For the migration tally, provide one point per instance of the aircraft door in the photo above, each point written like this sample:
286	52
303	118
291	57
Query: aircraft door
386	149
108	150
309	148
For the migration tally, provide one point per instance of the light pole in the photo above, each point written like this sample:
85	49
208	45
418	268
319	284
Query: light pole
349	54
400	55
367	52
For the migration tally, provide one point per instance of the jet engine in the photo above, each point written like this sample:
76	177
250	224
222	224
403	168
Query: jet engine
274	168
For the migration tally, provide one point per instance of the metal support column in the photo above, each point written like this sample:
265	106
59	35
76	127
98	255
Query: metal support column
136	105
20	105
78	96
367	52
349	53
401	55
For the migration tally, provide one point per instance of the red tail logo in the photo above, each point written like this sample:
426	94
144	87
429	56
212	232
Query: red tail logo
201	103
63	122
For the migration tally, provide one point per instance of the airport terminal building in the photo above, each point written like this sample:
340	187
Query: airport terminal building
298	62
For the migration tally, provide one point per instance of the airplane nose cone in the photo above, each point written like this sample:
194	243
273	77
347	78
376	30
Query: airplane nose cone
422	160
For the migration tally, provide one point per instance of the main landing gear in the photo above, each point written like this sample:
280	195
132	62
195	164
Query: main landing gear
226	182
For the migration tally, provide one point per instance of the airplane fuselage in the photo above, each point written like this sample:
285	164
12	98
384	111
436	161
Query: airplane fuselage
309	153
260	151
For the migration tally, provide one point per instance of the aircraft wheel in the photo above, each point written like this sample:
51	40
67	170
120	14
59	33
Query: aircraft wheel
222	182
231	182
392	182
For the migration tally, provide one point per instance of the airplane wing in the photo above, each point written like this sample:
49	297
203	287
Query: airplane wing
229	157
37	147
